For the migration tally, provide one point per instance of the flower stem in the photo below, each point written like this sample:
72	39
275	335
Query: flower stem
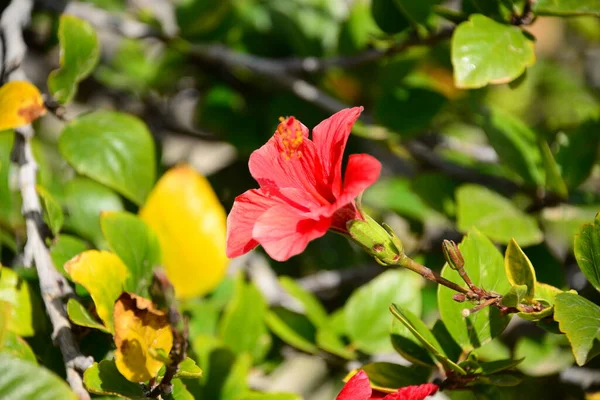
428	274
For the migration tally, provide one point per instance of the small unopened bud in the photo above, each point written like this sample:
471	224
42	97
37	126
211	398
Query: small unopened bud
452	255
466	312
459	297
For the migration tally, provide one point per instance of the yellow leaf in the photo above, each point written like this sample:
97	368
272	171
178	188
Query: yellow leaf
189	221
140	331
20	104
102	274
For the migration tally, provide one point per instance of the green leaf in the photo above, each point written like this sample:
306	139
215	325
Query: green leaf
292	328
587	251
10	212
417	11
17	293
329	340
542	357
180	391
385	375
437	191
425	337
554	180
562	85
396	194
577	153
245	313
408	346
358	29
485	51
563	222
84	201
80	316
64	248
79	54
495	216
113	148
492	367
105	378
16	347
388	16
567	7
236	385
517	145
408	109
24	380
579	319
136	244
514	296
519	270
188	369
544	294
366	314
52	212
485	266
313	308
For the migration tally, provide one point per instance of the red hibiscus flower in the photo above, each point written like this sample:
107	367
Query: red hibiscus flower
302	193
359	388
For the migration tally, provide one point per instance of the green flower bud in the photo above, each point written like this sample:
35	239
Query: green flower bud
378	241
453	255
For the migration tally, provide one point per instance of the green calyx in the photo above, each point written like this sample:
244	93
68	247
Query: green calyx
380	241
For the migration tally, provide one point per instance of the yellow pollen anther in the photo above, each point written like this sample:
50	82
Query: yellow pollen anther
290	133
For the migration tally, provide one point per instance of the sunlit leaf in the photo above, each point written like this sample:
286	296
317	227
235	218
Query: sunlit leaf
18	294
132	240
21	379
587	251
16	346
519	270
494	215
80	316
189	221
79	55
139	329
105	378
579	319
485	51
567	7
245	313
366	312
21	103
53	214
103	274
113	148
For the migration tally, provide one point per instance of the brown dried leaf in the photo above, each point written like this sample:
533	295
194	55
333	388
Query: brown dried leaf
140	331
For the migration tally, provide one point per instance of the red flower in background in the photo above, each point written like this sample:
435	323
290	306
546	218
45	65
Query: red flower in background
301	193
359	388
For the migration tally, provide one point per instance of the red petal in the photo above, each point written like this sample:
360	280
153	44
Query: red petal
330	138
357	388
284	231
416	392
362	171
271	167
248	207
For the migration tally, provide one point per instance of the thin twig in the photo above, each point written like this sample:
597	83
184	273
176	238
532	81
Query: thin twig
53	286
163	294
314	64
